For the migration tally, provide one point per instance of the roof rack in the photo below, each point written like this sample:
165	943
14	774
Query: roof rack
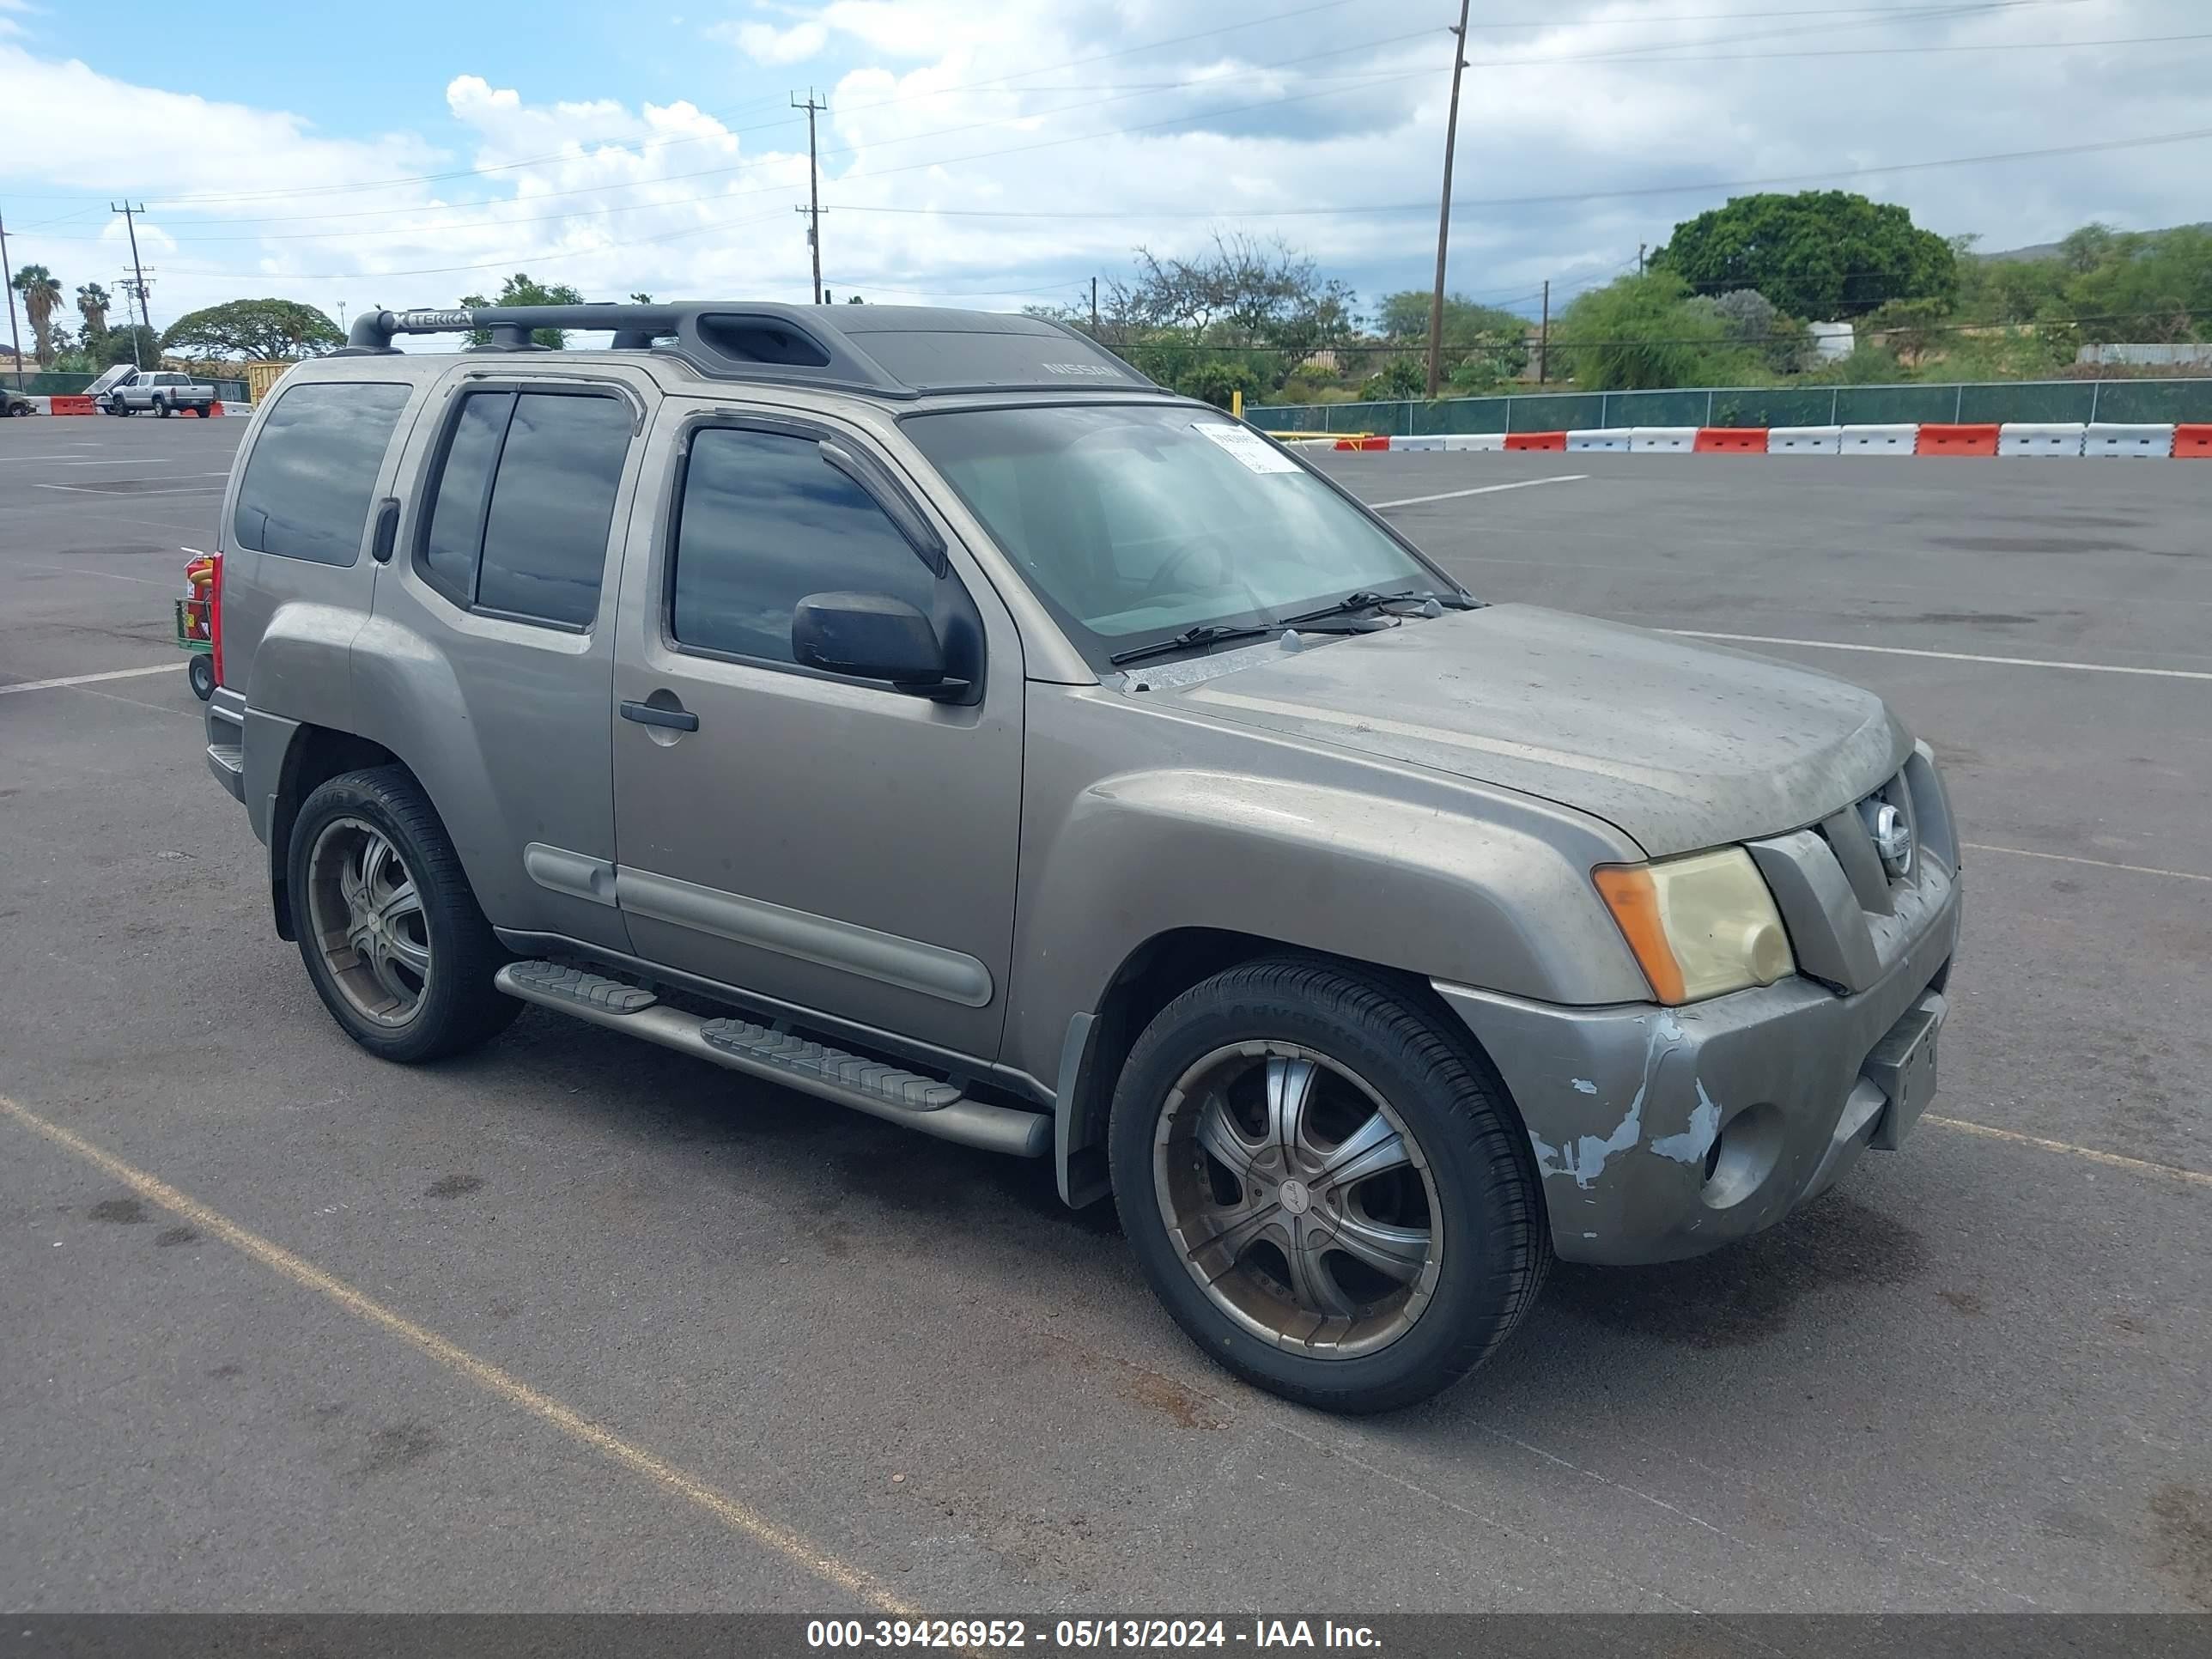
888	351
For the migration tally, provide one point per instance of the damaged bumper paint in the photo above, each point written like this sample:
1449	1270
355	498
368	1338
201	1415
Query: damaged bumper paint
1664	1133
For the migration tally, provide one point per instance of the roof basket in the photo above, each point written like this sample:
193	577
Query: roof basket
894	351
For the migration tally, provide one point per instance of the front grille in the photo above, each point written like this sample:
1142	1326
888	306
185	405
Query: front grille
1848	917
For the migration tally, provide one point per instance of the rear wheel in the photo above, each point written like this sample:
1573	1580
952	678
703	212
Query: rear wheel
161	407
390	934
199	670
1331	1197
201	410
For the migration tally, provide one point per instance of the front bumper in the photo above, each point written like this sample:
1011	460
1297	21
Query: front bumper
1626	1105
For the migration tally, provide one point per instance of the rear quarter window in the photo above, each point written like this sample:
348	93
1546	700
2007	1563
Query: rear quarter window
307	485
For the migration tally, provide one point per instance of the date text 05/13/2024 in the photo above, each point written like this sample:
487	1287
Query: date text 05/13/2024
1087	1635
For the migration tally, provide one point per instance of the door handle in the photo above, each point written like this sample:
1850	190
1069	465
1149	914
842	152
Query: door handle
647	714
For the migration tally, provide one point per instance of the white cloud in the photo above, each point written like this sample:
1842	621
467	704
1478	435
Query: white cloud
764	43
950	113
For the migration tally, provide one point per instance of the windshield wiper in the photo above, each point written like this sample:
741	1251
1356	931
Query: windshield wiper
1204	634
1365	600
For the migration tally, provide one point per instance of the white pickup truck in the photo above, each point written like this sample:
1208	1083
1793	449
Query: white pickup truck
159	390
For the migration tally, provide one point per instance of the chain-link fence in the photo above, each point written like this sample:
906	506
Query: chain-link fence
1837	405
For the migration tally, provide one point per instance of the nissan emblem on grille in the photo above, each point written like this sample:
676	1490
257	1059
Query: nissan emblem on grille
1893	837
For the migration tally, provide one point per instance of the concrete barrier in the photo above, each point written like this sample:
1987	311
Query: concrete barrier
1731	440
2193	440
2040	438
1897	440
1432	442
2113	440
1804	440
1476	441
74	403
1973	438
1363	443
1662	439
1535	440
1600	437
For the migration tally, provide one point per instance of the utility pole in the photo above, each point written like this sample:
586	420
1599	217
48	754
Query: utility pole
131	225
1094	307
1544	338
1444	209
7	277
1640	246
813	208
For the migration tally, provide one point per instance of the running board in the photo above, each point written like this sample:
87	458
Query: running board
929	1104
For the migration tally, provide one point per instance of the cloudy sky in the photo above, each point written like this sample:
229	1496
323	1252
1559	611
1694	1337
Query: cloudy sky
998	153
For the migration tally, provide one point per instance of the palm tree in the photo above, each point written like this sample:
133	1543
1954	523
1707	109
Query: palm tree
42	292
92	303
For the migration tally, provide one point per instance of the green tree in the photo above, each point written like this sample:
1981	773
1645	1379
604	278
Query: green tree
520	289
2147	285
1819	253
1642	332
1910	328
1399	379
92	304
42	296
1482	344
257	329
134	342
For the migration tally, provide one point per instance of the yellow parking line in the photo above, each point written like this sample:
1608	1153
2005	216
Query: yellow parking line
792	1546
2111	1160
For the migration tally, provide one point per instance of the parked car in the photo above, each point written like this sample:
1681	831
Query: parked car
924	710
14	403
161	390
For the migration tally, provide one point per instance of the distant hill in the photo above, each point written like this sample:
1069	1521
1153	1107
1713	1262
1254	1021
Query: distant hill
2049	250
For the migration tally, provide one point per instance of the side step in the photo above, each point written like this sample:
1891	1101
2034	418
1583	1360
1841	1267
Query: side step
929	1104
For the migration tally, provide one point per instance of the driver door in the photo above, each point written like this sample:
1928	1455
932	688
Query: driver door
826	843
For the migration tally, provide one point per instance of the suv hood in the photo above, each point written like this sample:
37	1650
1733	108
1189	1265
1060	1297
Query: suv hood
1681	745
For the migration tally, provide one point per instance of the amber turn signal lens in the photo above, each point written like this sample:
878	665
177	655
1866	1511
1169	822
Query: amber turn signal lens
1633	898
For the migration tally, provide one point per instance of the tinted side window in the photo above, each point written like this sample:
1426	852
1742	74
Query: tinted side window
764	522
308	483
524	499
455	535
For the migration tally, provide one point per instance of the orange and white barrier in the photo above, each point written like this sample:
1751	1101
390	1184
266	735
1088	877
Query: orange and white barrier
1970	439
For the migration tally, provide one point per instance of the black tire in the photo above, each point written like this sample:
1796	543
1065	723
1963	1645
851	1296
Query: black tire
161	407
1496	1247
199	670
460	1007
201	409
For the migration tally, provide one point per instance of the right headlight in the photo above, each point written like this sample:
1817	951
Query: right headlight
1699	926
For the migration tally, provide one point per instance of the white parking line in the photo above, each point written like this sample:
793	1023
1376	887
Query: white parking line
2111	1160
134	495
85	679
1481	489
2102	864
1943	656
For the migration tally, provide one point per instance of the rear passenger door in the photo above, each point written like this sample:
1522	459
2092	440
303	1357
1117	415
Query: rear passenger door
490	649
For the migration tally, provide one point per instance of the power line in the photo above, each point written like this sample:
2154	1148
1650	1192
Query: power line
1848	172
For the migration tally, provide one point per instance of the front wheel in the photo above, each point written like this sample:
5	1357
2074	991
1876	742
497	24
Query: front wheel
1333	1198
390	934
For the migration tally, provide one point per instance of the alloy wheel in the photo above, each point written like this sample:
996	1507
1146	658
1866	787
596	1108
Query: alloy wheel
369	922
1298	1199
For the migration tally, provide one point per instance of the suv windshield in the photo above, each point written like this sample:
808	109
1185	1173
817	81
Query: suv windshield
1135	523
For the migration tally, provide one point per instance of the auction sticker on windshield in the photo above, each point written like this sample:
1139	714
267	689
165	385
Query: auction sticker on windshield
1249	447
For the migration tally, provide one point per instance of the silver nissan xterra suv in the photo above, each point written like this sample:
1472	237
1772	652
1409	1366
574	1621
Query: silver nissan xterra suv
925	711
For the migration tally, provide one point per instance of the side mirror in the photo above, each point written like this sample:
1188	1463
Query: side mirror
871	636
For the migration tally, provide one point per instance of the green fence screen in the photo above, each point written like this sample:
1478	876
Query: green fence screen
1838	405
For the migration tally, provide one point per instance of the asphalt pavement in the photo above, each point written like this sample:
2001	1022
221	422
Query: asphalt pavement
575	1323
